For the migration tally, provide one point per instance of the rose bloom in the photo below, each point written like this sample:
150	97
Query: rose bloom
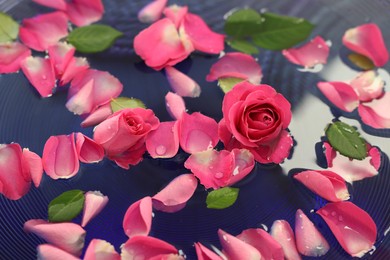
256	117
123	135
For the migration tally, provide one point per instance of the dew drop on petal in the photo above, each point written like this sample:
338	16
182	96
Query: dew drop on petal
218	175
161	150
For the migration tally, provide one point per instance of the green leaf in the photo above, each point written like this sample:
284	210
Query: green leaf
9	29
244	22
243	46
66	206
222	198
226	84
346	140
282	32
361	61
125	102
93	38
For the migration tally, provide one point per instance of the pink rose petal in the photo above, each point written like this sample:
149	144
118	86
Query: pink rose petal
75	66
182	84
15	177
99	249
146	248
175	105
368	85
138	218
66	236
243	163
316	51
40	73
353	170
376	113
353	228
164	141
281	231
326	184
367	40
197	132
56	4
341	94
94	203
35	166
42	31
88	150
84	12
97	116
82	101
310	241
263	242
201	36
160	45
203	253
50	252
60	55
11	55
236	249
176	194
152	11
132	156
176	13
59	159
236	65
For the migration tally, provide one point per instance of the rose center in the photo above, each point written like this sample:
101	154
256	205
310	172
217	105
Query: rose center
135	124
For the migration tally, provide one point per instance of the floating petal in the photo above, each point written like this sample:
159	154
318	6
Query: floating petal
281	231
146	248
175	105
353	228
341	94
94	203
152	11
368	85
97	116
101	250
11	55
35	166
176	14
376	113
164	141
84	12
49	252
88	150
182	84
75	66
138	218
236	249
60	55
203	253
176	194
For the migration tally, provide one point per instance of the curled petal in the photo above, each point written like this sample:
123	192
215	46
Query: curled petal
56	4
353	228
82	101
201	36
235	248
49	252
40	73
152	11
368	85
203	253
197	132
309	240
88	150
176	13
133	156
263	242
164	141
176	194
353	170
375	113
74	67
146	247
35	166
15	177
138	218
42	31
101	249
367	40
11	55
182	84
59	159
326	184
281	231
312	53
97	116
236	65
60	55
175	105
66	236
341	94
94	203
84	12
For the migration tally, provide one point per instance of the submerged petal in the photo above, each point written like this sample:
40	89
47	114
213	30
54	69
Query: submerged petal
281	231
376	113
94	203
310	241
182	84
50	252
236	249
368	85
152	11
35	166
203	253
176	194
175	105
88	150
146	248
11	55
99	249
340	94
84	12
138	218
353	228
164	141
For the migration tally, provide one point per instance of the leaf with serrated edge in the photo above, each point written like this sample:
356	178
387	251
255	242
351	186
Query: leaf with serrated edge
9	29
222	198
226	84
346	140
125	102
243	22
243	46
66	206
93	38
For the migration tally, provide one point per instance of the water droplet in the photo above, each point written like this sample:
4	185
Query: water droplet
329	43
325	212
312	210
319	46
44	77
341	218
218	175
301	227
264	227
224	238
317	68
333	213
152	214
161	150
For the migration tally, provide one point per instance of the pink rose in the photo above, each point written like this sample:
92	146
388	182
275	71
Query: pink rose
255	117
123	135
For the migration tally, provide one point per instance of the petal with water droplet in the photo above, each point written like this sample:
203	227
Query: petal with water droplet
84	12
35	166
353	228
203	253
138	218
11	55
146	248
281	231
376	113
99	249
341	94
88	150
50	252
164	141
152	11
181	83
368	85
94	203
236	249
